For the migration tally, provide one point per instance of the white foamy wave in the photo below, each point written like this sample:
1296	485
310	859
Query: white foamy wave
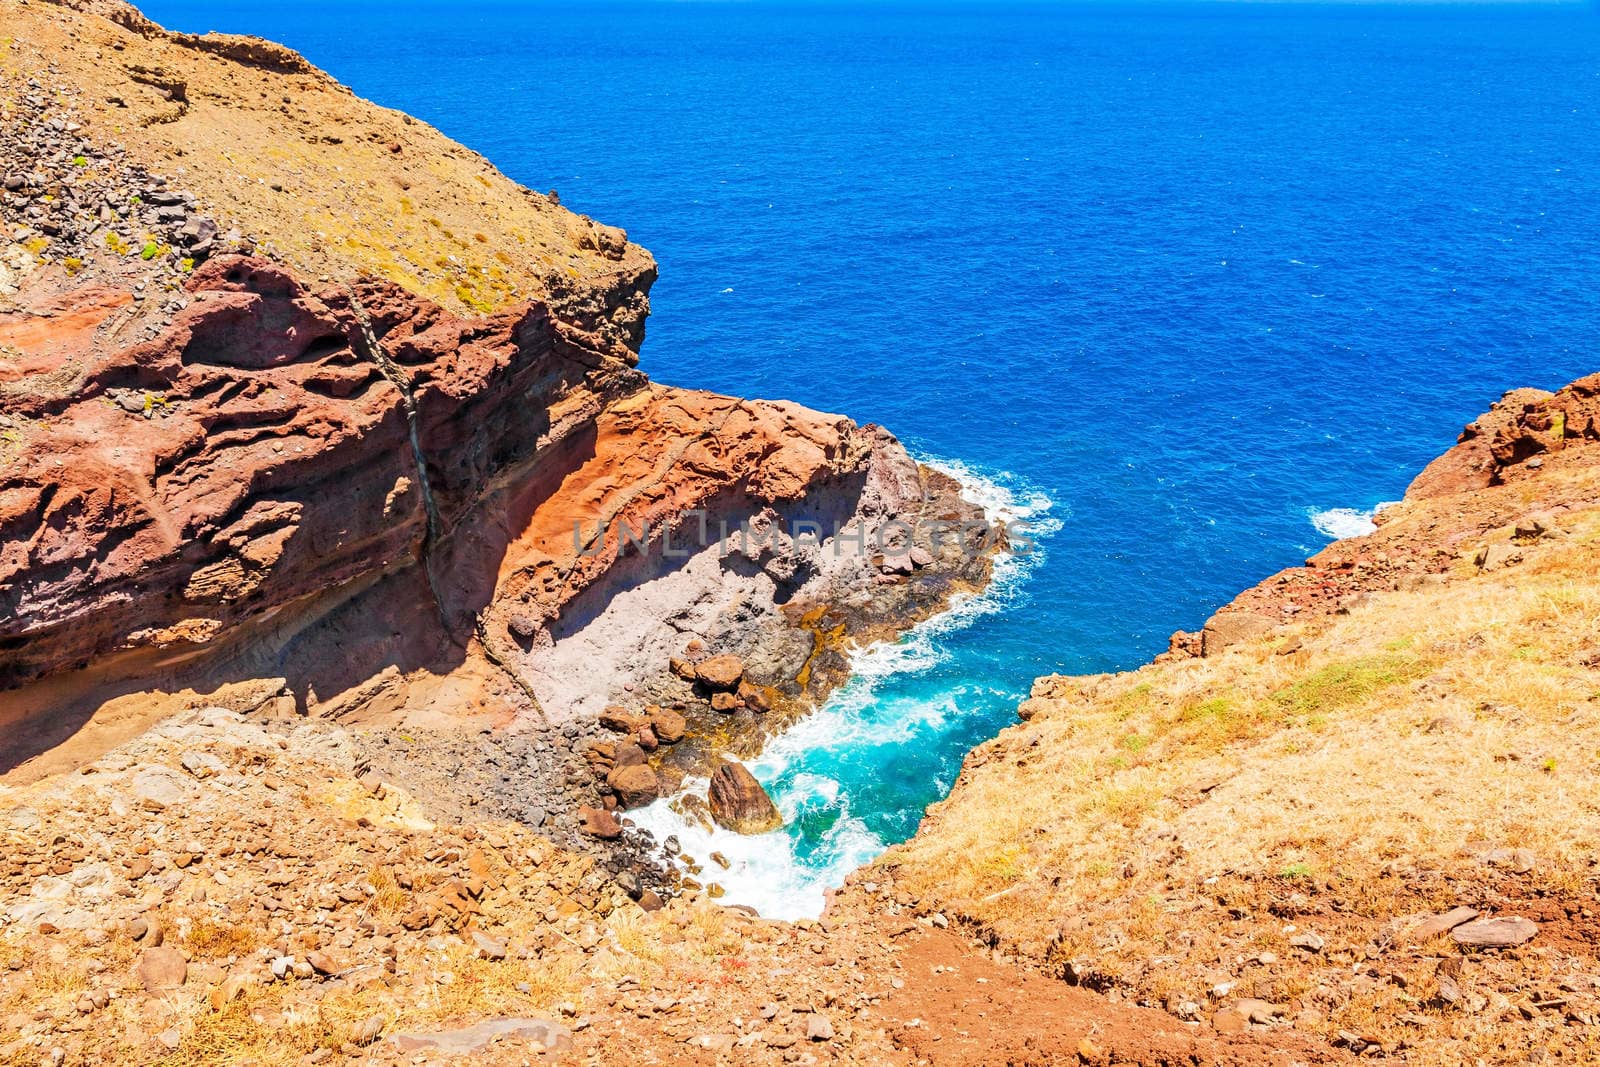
767	872
1339	523
1001	496
854	716
764	871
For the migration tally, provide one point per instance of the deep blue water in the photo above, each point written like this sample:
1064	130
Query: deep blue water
1192	272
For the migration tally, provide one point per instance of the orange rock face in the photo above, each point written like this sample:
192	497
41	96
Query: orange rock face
1523	425
256	453
737	801
339	489
1529	455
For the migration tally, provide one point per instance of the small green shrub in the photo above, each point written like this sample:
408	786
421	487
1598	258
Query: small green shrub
1348	682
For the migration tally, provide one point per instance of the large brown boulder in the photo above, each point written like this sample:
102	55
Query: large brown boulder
161	969
738	802
1232	628
621	720
669	726
635	785
597	822
755	697
627	754
721	673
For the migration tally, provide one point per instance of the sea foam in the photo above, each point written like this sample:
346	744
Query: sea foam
1338	523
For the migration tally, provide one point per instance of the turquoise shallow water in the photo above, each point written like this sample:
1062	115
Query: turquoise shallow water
1208	280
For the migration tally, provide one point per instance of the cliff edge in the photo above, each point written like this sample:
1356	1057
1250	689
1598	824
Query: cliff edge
362	582
1359	803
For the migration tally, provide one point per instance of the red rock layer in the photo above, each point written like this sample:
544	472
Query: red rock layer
354	464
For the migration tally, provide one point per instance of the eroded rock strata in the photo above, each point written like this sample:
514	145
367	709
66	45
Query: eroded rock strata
226	479
353	503
300	404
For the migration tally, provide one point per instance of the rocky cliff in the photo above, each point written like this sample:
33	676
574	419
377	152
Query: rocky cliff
251	456
358	572
1359	803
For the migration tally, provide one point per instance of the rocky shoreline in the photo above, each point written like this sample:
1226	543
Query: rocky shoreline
352	590
227	485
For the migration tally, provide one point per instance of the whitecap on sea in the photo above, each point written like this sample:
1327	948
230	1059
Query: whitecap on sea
1338	523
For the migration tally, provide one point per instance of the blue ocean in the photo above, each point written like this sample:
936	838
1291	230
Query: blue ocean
1194	287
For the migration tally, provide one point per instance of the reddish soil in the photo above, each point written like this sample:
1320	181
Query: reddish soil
959	1007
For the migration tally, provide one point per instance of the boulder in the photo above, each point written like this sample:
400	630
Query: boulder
668	726
720	672
1498	557
1230	1021
634	784
621	720
146	930
1532	527
738	802
489	948
1183	645
597	822
367	1031
479	1038
1443	924
161	969
724	702
1231	628
1260	1012
754	696
1504	932
629	753
1309	941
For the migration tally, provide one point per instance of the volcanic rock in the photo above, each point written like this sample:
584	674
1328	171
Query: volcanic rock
1442	924
627	754
739	803
621	720
1502	932
668	725
720	672
754	696
1231	628
161	969
635	784
599	823
477	1039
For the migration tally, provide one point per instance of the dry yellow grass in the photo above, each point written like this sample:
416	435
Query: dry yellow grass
1409	727
334	184
1133	817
